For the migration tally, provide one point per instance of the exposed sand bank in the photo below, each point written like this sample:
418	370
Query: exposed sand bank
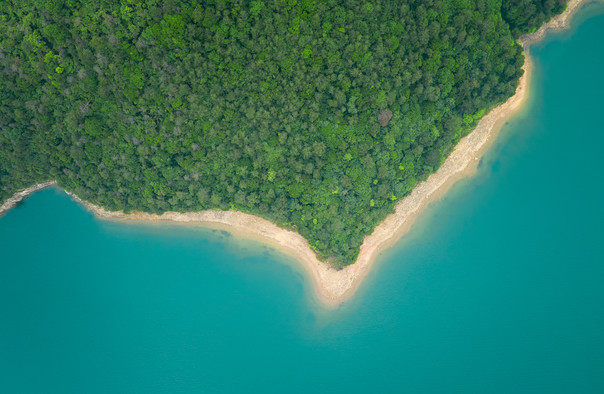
333	287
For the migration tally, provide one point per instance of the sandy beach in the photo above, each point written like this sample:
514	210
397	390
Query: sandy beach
332	286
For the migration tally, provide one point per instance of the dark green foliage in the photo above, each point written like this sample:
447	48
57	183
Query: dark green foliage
269	107
526	16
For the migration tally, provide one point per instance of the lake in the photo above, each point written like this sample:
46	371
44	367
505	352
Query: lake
499	287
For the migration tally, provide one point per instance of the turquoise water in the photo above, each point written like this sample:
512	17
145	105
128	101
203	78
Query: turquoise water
498	288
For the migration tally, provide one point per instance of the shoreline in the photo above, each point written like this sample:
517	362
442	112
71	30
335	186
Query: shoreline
21	195
333	287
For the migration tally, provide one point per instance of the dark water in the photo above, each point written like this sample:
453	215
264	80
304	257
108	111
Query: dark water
498	288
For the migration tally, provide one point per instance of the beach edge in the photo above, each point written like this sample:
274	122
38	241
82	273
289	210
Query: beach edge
331	286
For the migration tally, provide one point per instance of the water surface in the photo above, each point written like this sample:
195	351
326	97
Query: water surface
498	287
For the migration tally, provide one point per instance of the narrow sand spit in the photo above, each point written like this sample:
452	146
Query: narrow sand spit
332	286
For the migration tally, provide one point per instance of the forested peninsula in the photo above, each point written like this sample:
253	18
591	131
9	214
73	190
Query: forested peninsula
316	115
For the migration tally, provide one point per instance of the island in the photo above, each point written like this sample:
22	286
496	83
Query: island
321	127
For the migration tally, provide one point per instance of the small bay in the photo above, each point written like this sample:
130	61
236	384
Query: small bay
497	288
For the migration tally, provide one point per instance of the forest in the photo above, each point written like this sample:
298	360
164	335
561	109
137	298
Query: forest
316	114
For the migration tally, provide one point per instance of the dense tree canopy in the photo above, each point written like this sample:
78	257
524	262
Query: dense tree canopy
526	16
318	115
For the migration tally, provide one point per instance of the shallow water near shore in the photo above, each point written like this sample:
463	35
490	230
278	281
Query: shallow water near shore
497	288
